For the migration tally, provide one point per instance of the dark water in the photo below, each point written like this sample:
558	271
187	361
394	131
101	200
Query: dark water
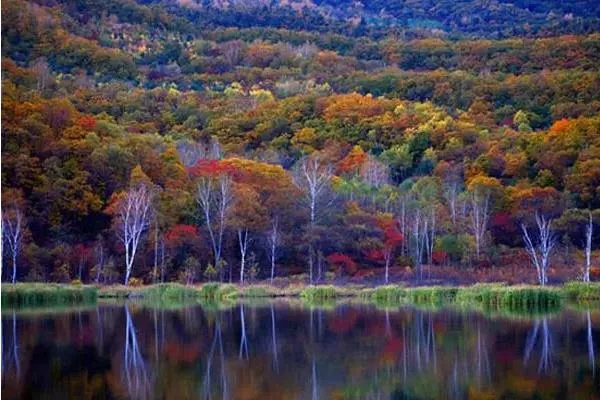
283	350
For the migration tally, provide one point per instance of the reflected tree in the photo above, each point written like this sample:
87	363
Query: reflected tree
136	373
243	337
540	329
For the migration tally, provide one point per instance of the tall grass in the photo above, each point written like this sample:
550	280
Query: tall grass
169	292
488	297
313	293
218	291
582	291
46	294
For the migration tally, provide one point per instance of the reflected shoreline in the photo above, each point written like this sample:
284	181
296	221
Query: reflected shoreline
286	349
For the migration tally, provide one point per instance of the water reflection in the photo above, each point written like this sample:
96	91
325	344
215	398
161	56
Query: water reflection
285	350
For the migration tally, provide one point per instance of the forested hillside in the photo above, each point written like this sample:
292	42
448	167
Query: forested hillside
231	140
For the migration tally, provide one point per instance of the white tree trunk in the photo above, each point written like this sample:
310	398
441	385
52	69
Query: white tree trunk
12	234
479	218
541	250
134	215
243	240
588	248
273	239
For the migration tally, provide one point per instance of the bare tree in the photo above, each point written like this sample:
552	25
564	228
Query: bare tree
215	198
375	174
243	240
12	234
190	152
540	251
480	214
589	230
313	178
273	241
451	190
133	219
42	72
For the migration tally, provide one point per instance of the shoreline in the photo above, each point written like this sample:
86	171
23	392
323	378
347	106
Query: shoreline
497	296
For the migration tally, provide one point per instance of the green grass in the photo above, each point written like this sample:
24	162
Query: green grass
490	298
582	292
169	292
218	291
313	293
46	294
487	297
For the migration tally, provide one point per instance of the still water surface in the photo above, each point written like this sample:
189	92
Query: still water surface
283	350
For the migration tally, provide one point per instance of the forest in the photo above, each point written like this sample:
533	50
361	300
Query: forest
318	141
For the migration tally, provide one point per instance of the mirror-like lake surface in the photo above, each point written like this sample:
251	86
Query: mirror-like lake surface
283	350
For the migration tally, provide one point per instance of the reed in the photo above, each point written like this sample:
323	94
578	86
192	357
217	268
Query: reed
582	291
46	294
313	293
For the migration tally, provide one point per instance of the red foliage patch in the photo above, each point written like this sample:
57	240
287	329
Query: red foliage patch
439	257
86	122
342	261
210	168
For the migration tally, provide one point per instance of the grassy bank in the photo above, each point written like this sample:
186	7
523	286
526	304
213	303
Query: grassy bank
489	297
46	294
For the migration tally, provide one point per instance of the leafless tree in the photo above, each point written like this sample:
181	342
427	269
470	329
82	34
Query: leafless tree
375	174
480	214
232	52
589	230
215	197
313	178
133	219
540	251
243	241
12	234
451	191
190	152
42	72
273	241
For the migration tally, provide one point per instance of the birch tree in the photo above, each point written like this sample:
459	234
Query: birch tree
482	192
589	230
12	234
247	216
540	250
313	179
273	242
215	197
133	219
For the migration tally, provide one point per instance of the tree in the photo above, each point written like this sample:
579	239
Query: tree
214	196
133	218
313	177
273	241
540	250
392	238
247	215
589	229
12	234
480	192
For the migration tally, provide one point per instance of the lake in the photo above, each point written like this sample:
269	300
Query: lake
286	350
